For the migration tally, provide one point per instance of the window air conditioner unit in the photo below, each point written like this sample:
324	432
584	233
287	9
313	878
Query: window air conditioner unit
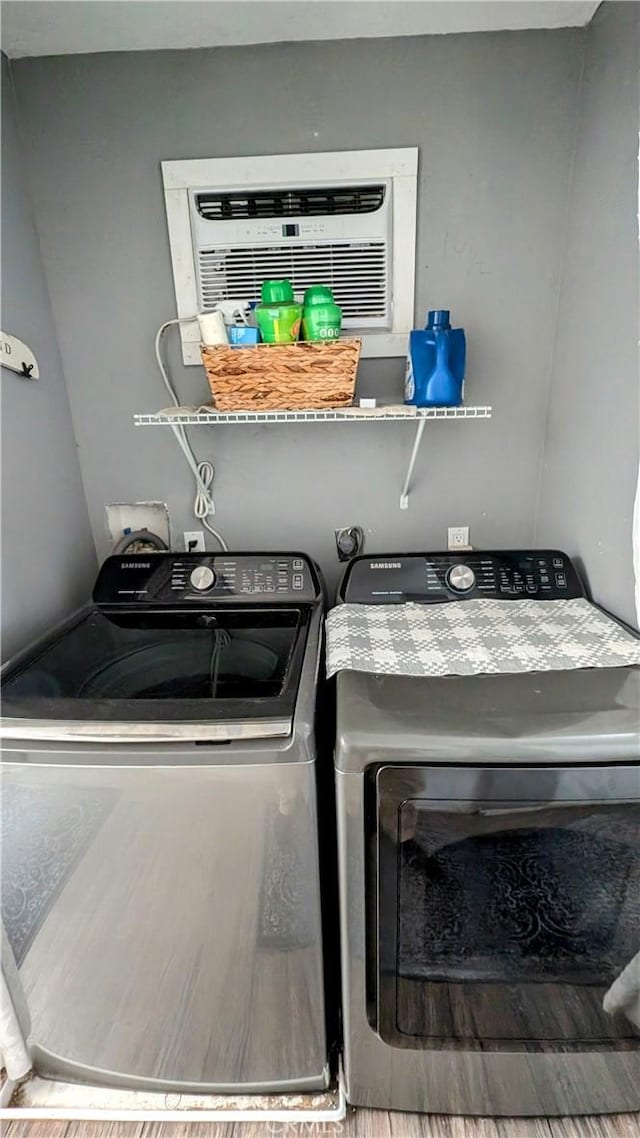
346	220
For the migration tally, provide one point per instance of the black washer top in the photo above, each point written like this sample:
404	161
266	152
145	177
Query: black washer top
175	638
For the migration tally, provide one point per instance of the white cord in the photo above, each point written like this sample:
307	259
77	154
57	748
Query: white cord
203	472
203	502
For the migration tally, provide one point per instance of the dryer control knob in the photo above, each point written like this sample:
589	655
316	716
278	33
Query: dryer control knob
461	578
202	578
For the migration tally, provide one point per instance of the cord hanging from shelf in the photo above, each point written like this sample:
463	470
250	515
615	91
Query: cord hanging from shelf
203	472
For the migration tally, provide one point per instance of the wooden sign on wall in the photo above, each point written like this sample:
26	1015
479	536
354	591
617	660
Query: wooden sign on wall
15	355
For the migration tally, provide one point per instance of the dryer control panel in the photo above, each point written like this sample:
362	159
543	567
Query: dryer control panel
506	574
205	579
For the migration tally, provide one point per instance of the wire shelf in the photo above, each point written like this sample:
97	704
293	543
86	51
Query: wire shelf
209	417
199	416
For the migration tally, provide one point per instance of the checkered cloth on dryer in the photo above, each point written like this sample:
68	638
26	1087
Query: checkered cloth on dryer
476	636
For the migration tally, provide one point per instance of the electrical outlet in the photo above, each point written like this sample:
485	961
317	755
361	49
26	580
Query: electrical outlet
458	537
194	541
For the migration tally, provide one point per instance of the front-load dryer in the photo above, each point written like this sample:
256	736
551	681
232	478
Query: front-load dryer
489	841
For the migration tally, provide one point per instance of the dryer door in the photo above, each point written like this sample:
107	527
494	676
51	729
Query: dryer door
508	904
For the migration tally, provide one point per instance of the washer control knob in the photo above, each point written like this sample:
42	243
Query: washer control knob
202	578
461	578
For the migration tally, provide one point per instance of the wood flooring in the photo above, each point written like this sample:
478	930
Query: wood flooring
358	1124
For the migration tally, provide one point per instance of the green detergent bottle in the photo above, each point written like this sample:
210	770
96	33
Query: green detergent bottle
321	316
278	316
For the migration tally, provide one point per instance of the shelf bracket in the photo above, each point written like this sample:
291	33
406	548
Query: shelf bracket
404	496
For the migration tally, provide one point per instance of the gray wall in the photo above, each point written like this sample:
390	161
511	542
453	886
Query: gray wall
48	558
590	467
494	117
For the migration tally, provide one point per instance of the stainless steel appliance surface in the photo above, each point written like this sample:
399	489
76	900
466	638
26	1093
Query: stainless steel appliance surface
160	873
489	862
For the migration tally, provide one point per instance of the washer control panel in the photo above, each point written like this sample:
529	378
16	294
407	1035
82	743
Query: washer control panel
513	574
201	578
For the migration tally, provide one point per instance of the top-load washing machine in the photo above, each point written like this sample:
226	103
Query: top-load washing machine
160	868
488	788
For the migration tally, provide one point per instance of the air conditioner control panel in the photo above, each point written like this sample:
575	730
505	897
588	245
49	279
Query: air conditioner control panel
425	578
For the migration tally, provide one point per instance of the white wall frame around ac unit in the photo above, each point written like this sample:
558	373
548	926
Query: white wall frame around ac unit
179	177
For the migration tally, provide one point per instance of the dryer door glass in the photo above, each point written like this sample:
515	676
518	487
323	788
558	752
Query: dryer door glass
503	922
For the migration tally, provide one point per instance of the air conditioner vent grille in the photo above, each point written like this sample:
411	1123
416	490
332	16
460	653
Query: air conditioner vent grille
320	202
357	273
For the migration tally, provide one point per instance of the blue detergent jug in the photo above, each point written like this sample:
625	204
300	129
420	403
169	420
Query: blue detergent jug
435	363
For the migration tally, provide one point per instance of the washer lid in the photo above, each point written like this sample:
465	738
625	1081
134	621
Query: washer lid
590	715
224	675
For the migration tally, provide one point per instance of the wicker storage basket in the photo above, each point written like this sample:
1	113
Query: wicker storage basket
283	377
